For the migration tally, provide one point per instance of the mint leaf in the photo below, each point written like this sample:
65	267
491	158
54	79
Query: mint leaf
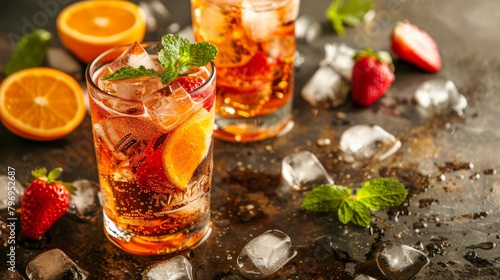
348	12
130	72
30	51
381	193
325	198
354	211
177	57
376	194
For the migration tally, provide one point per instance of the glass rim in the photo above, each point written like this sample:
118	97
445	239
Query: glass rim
97	59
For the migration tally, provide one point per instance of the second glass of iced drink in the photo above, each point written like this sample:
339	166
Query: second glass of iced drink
153	143
255	71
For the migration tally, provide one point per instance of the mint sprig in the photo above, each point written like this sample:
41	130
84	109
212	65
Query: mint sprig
177	57
347	12
377	194
30	51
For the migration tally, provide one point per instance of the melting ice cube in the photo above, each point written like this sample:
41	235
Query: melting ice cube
85	202
303	171
260	24
307	28
265	254
340	58
440	96
6	196
398	261
54	264
368	141
176	268
326	87
171	105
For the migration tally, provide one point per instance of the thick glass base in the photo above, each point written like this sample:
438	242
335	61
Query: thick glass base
157	245
256	128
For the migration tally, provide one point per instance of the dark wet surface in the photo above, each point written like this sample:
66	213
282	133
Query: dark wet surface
448	163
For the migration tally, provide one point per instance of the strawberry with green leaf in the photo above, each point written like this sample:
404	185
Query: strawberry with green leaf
372	76
44	202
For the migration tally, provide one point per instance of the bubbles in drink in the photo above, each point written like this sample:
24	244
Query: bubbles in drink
265	254
398	261
303	171
440	96
54	264
361	142
178	268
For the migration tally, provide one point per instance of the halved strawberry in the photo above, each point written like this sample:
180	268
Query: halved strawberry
43	203
150	172
416	46
190	84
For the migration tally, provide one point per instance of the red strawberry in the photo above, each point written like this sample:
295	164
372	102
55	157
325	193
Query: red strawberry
414	45
150	172
372	76
190	84
44	202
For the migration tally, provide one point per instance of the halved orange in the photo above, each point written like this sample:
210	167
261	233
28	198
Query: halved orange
187	146
41	103
88	28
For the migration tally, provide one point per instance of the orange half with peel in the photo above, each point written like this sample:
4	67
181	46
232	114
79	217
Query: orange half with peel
88	28
41	104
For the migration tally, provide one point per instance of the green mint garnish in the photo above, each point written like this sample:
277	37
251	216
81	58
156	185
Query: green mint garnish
375	195
177	57
30	51
348	12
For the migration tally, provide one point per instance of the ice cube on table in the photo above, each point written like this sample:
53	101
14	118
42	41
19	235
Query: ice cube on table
55	265
260	24
304	171
85	203
326	87
399	261
171	106
307	28
440	96
340	57
6	197
265	254
362	141
176	268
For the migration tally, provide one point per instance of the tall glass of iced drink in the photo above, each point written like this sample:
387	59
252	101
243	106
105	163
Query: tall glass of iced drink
255	71
152	113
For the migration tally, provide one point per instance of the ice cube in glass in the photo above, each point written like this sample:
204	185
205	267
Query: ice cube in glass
265	254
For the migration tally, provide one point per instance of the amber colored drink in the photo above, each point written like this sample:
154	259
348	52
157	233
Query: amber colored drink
154	153
255	71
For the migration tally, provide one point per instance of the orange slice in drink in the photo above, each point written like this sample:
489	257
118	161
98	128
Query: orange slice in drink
187	146
41	103
88	28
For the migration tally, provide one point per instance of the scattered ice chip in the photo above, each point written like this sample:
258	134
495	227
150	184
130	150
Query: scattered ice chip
54	264
307	28
368	141
171	105
59	58
340	58
11	193
265	254
303	171
398	261
440	96
259	23
85	202
176	268
326	87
